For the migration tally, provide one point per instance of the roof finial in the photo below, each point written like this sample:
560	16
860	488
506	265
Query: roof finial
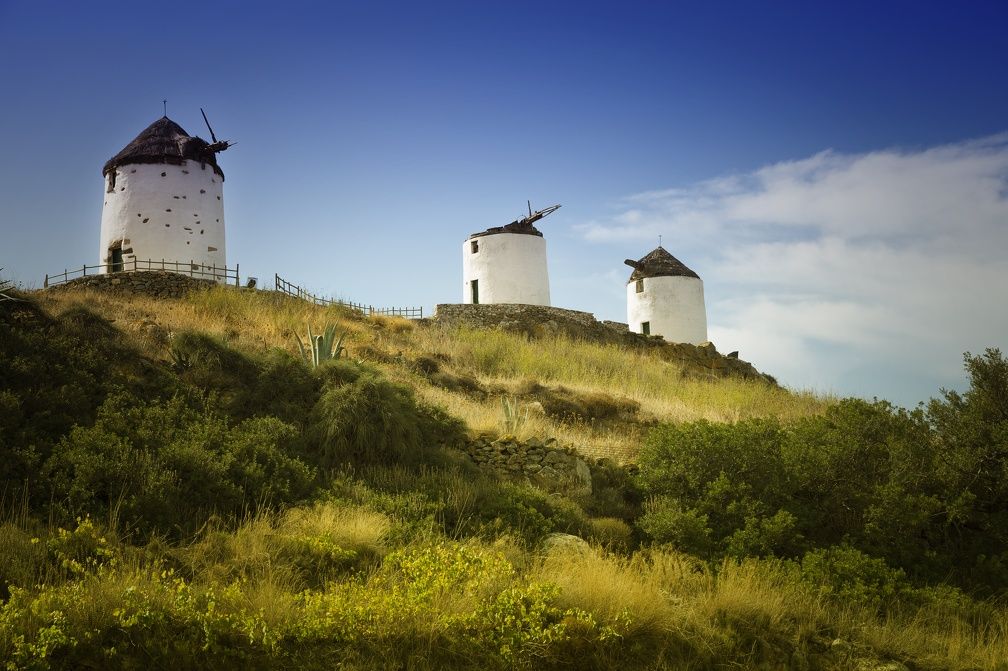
659	239
165	104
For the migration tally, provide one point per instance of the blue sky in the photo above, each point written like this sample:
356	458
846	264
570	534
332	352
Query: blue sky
836	172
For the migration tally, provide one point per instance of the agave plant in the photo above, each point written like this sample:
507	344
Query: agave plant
514	418
321	348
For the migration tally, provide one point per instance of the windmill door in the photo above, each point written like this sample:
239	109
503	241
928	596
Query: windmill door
116	258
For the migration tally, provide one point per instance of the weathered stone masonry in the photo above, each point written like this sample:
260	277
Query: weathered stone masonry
158	284
542	462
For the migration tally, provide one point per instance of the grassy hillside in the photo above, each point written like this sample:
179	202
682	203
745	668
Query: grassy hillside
180	489
465	371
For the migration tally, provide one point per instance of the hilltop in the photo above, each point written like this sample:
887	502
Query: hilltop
181	487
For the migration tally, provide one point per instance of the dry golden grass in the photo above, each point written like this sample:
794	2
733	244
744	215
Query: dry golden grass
939	638
258	319
497	360
349	527
667	594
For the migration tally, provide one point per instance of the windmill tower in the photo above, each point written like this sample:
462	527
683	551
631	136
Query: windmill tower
164	200
666	298
507	264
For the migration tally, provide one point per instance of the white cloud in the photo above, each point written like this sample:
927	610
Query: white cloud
889	261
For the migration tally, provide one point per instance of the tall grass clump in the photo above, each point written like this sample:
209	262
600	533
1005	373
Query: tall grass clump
370	420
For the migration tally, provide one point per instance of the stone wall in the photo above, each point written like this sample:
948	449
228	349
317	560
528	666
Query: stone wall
158	284
513	316
543	463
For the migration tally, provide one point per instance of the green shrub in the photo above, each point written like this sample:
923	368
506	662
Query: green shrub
373	421
667	522
283	388
165	466
923	490
852	578
82	550
54	373
615	492
775	535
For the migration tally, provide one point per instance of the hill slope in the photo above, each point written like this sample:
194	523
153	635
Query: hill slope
467	371
179	488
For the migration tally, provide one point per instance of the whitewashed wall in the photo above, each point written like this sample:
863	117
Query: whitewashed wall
673	305
510	267
160	211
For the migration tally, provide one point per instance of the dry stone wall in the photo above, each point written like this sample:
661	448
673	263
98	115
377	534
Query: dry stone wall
517	317
158	284
542	462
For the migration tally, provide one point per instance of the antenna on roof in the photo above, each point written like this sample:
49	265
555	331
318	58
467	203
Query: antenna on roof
659	239
165	104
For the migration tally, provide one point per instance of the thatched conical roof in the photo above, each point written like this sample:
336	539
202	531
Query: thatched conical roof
659	263
164	141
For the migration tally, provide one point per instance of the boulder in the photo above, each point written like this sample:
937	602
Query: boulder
557	542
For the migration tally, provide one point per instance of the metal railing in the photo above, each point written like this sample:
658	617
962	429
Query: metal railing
291	289
192	269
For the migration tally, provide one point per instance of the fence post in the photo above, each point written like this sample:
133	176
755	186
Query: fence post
237	276
46	283
134	264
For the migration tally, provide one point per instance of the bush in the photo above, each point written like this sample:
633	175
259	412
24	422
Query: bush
165	466
923	490
615	492
373	421
667	522
852	578
564	403
54	373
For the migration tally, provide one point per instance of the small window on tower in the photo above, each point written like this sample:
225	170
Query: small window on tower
645	328
474	286
640	286
111	181
475	246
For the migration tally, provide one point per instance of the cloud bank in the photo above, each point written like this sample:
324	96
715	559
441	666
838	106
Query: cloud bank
866	274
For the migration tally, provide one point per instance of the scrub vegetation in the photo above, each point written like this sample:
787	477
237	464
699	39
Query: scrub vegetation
180	488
